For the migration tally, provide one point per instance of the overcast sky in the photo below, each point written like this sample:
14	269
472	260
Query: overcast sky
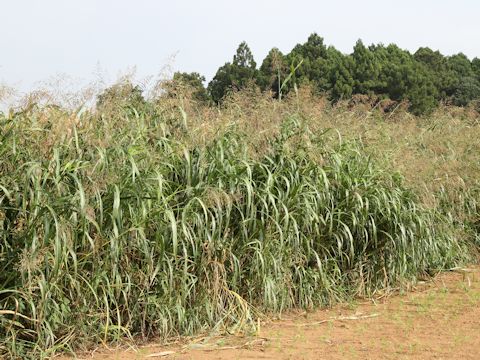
44	38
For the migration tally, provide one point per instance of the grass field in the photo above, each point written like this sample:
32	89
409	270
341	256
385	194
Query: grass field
171	218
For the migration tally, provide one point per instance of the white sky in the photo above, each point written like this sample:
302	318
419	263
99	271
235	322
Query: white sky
44	38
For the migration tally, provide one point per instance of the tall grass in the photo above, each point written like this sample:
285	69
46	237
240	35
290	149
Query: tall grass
146	222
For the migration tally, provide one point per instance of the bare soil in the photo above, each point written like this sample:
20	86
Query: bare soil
437	320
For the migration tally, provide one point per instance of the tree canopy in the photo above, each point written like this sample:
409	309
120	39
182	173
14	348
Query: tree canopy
423	79
192	82
234	75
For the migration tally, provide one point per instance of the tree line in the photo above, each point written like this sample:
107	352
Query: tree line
423	79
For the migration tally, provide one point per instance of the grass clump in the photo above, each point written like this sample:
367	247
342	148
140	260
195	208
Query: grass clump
125	225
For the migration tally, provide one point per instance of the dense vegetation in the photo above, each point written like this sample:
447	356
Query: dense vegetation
423	79
168	216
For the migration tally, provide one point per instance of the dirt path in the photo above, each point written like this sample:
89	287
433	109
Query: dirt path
439	320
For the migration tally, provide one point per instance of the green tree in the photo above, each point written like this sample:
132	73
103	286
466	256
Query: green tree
433	59
440	72
122	95
466	85
403	78
467	90
273	72
476	68
193	82
423	78
367	69
341	69
244	57
314	68
461	65
235	75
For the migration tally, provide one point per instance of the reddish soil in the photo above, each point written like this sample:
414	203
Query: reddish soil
438	320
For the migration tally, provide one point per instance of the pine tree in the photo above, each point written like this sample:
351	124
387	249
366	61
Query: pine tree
273	72
193	82
235	75
366	70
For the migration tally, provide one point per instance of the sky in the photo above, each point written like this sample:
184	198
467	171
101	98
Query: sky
42	39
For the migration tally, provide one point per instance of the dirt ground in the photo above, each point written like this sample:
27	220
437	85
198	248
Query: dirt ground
438	320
